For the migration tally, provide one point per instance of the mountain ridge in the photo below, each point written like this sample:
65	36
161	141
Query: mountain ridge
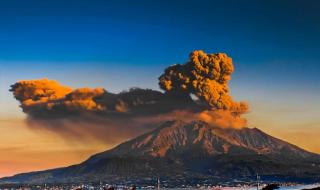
189	150
229	135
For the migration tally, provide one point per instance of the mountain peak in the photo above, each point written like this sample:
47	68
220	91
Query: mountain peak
178	137
190	149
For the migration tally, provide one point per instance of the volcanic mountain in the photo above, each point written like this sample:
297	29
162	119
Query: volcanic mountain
181	152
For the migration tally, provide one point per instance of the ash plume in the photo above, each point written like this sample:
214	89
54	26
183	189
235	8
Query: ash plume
46	98
206	76
98	113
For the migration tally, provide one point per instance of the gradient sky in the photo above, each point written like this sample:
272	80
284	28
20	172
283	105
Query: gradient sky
275	46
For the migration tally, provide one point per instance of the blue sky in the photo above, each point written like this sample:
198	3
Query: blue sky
157	32
275	45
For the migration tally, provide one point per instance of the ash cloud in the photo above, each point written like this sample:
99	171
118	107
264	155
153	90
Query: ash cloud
97	113
45	99
206	76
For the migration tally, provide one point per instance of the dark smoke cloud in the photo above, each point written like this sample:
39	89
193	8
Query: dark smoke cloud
206	76
97	113
48	99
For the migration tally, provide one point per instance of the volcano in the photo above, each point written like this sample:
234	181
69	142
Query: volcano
189	152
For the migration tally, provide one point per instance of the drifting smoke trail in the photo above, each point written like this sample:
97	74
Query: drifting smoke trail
97	113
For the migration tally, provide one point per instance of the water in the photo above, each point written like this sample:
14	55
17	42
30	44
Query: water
296	187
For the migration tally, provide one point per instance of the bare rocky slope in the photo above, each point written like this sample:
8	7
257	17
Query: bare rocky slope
182	151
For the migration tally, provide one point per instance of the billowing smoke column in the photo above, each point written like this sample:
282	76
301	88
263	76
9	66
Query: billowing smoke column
206	76
113	117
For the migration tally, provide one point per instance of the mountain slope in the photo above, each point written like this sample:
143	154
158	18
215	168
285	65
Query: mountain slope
190	150
176	137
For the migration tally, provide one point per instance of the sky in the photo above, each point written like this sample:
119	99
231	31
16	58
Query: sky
274	45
